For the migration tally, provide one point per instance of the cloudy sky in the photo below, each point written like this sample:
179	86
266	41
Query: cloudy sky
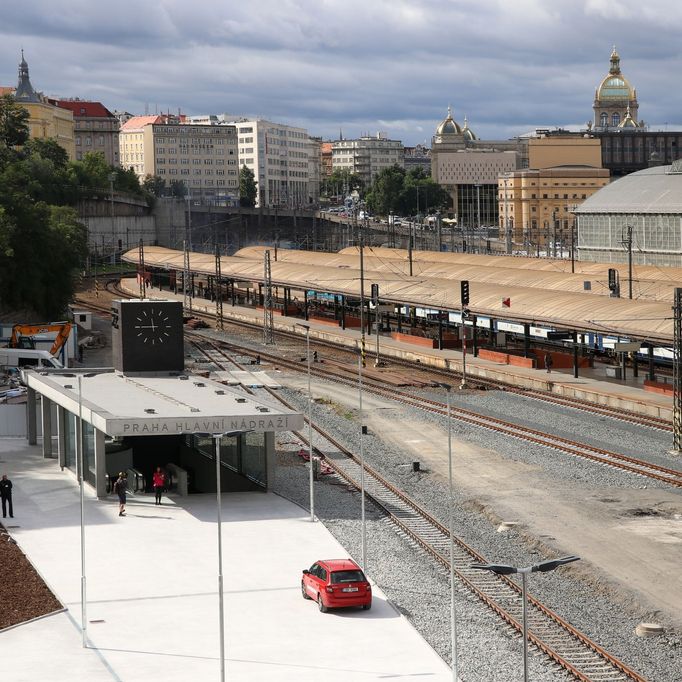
359	66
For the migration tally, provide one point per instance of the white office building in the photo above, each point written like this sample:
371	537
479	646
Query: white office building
367	156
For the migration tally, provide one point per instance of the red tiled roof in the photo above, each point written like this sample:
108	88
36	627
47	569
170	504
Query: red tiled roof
140	121
81	108
7	90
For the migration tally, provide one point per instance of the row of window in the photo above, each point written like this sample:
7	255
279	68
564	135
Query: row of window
87	141
193	130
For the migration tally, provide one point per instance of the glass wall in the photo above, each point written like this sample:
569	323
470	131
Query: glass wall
253	457
244	454
71	446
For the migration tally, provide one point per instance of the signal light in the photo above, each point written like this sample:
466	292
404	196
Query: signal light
464	291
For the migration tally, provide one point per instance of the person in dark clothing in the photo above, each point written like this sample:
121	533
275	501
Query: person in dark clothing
159	483
548	362
120	488
6	495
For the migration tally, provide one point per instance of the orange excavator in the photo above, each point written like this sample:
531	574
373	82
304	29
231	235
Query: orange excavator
22	335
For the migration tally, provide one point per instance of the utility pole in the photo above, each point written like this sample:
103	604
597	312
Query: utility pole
218	291
185	276
143	290
268	320
626	241
362	293
677	372
377	319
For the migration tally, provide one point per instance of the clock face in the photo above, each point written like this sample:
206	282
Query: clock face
153	326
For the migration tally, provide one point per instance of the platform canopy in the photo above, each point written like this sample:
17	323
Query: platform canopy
160	404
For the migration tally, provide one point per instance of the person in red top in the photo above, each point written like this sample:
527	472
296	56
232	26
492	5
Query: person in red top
159	483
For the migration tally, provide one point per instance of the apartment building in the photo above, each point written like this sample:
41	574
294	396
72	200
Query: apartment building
203	157
367	156
278	155
95	128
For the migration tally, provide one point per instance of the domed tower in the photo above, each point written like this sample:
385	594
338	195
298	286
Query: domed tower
468	133
615	99
449	132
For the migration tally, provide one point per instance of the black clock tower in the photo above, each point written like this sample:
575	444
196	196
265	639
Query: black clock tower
147	336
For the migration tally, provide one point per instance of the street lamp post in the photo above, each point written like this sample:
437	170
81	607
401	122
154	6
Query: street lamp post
542	567
310	420
453	621
217	437
81	480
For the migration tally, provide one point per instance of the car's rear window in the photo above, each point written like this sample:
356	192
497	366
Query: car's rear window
348	577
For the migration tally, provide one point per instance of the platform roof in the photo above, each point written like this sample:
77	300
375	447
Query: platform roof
375	260
160	403
646	320
641	273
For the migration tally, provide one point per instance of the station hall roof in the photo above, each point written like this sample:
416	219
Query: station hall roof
646	320
652	190
160	403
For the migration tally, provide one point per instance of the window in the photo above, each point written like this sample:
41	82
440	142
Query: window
615	119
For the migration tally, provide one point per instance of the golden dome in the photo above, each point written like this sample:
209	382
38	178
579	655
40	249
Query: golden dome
614	85
628	121
468	133
449	126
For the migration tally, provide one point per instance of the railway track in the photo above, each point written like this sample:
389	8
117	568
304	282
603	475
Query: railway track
597	455
574	651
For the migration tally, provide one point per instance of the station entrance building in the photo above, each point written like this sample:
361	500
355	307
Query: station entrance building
137	420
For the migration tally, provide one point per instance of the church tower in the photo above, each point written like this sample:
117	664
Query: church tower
25	91
615	100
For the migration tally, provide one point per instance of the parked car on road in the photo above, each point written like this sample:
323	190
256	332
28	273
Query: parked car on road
335	583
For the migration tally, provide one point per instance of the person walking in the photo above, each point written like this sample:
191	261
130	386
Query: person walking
6	495
120	488
159	483
548	361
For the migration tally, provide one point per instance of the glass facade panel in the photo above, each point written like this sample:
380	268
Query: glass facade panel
70	440
253	457
89	452
229	452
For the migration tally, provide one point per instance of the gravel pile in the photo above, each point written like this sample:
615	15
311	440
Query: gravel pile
488	650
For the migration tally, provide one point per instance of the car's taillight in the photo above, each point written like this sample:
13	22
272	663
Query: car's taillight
330	588
368	587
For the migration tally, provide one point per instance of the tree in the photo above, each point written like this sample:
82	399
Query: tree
339	181
155	185
384	195
42	243
421	194
14	130
248	188
178	188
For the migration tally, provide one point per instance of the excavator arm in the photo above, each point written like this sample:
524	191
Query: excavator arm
63	330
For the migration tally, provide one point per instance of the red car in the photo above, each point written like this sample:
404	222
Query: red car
336	583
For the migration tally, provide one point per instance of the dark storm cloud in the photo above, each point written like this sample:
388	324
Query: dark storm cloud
352	65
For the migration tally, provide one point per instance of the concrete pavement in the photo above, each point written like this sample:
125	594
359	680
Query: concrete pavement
152	606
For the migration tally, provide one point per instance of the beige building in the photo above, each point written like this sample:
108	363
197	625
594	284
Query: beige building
367	156
203	157
536	205
45	119
564	150
95	128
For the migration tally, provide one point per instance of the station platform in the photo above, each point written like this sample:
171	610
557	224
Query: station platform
592	385
152	600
